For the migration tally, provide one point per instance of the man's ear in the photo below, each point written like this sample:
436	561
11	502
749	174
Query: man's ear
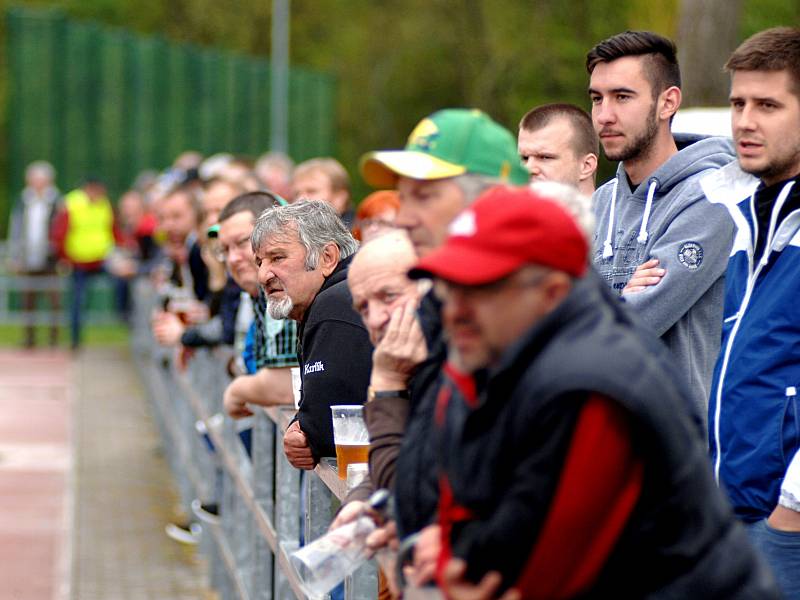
670	102
329	258
588	166
556	287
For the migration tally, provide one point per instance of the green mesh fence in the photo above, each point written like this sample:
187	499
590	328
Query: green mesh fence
96	100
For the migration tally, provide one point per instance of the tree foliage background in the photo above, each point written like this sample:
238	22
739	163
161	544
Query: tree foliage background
398	60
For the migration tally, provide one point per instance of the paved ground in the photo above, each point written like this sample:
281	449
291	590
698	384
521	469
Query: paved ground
122	493
125	494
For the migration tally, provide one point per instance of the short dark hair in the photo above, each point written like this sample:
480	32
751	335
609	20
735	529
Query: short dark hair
253	202
661	61
776	49
584	137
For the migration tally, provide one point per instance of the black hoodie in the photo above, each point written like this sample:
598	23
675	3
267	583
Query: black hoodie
335	357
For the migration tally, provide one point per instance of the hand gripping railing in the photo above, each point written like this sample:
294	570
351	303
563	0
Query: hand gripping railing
263	499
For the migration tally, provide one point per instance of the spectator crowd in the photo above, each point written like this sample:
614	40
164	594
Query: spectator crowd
570	392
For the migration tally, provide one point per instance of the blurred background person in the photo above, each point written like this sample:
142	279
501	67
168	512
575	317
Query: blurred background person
188	160
217	323
239	171
136	249
274	170
327	180
217	192
83	233
376	214
182	279
179	215
31	252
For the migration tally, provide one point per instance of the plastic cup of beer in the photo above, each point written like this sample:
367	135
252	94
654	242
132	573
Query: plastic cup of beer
350	436
180	304
356	473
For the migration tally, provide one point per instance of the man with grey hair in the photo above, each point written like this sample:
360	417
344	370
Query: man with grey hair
577	204
303	252
31	252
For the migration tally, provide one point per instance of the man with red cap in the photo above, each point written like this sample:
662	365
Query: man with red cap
569	466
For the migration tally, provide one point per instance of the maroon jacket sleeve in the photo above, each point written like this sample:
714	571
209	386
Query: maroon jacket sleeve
386	421
58	231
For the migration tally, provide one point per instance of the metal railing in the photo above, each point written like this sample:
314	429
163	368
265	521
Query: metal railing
99	303
263	499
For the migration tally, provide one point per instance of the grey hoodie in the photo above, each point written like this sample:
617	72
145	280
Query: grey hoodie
691	238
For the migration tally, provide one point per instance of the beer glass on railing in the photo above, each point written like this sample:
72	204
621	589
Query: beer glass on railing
350	436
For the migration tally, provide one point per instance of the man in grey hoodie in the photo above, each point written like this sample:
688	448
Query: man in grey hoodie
658	240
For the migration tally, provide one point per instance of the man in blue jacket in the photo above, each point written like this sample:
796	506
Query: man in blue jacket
754	412
653	224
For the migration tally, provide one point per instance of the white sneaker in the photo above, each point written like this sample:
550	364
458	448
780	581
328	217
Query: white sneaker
180	534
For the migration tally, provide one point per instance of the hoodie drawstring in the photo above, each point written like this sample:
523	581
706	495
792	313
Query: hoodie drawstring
608	251
651	191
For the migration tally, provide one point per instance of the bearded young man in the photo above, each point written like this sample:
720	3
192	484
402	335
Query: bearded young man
658	240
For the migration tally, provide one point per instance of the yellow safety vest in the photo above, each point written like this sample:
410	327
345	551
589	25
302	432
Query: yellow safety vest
90	236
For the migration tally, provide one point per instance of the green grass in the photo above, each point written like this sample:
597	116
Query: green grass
93	335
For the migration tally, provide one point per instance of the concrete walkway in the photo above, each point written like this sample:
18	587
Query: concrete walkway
85	491
125	494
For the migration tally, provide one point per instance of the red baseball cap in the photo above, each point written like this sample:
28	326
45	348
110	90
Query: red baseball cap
505	229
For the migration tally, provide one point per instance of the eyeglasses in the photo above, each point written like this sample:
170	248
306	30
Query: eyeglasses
221	252
445	290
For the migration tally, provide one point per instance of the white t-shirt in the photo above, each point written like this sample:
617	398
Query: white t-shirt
790	489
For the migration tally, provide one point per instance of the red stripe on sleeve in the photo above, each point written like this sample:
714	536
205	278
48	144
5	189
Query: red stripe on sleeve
600	484
464	382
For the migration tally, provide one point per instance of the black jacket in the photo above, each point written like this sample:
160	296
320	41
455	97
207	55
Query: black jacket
335	357
199	271
221	327
416	485
502	459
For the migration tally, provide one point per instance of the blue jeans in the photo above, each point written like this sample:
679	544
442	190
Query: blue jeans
781	551
80	285
122	298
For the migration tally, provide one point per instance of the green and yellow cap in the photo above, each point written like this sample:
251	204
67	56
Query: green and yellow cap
449	142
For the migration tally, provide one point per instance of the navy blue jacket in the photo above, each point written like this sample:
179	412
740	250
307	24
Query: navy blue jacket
754	412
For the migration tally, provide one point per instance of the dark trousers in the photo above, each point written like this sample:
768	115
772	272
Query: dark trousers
30	308
81	280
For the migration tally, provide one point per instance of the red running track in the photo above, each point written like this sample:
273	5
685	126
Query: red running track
35	467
